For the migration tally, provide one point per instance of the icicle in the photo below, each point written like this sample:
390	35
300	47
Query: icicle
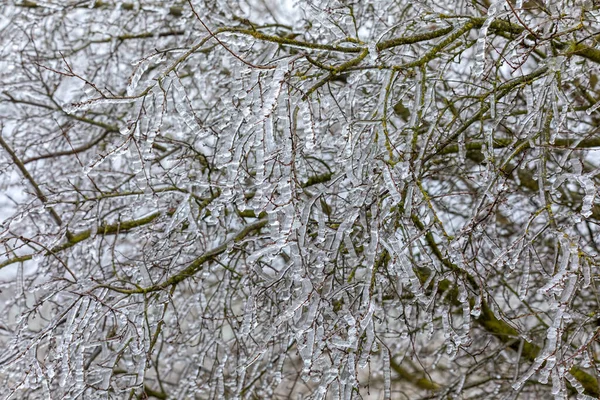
180	216
448	331
43	378
308	126
493	105
554	284
524	281
476	309
462	149
304	219
586	363
393	187
569	289
558	385
368	344
408	201
590	194
306	350
574	383
266	253
372	249
220	393
414	115
466	325
276	86
373	54
141	67
387	381
493	12
587	274
181	106
307	319
20	284
269	143
248	317
519	6
585	397
352	332
343	229
297	304
593	108
350	248
460	385
430	326
86	105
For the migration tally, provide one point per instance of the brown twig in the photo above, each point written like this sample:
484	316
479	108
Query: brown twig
224	45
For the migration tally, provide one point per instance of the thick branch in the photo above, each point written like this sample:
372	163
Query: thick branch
417	379
491	324
174	11
38	192
103	229
196	265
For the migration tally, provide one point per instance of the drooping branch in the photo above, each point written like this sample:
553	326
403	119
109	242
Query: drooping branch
38	192
489	322
195	266
103	229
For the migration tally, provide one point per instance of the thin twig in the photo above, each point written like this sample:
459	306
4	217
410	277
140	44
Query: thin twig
223	44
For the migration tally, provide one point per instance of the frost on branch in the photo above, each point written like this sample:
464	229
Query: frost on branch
316	200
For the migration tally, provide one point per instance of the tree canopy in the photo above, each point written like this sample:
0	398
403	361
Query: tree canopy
317	199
